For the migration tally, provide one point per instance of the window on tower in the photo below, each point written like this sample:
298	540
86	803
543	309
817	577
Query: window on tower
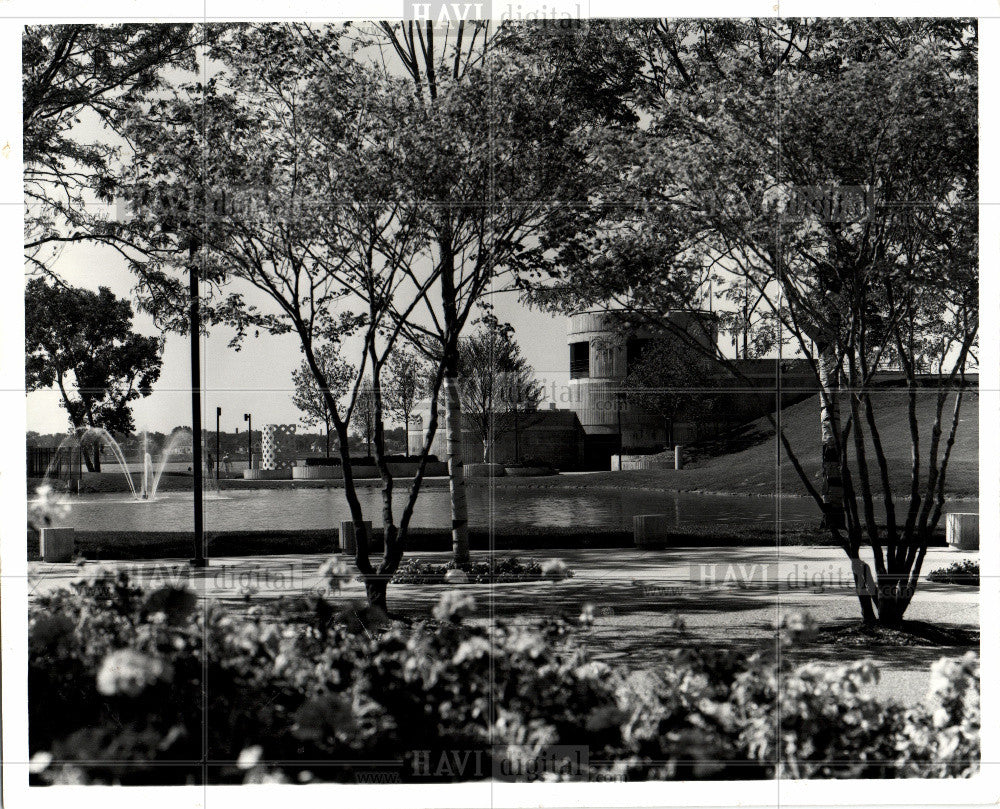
579	360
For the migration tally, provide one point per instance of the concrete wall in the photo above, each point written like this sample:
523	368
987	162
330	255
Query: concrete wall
550	435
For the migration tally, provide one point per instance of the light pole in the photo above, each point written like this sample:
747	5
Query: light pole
249	421
218	415
194	324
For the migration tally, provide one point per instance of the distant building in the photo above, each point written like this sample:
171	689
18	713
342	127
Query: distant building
603	349
598	420
604	346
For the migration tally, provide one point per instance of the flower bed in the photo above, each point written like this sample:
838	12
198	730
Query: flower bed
507	569
120	681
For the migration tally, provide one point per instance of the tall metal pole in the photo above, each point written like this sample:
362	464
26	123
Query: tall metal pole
249	420
195	331
218	415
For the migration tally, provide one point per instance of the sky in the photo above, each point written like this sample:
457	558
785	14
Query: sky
257	378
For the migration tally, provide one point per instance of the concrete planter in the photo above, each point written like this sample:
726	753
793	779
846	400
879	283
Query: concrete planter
528	471
662	461
397	469
962	531
317	473
651	531
348	543
56	544
407	469
267	474
484	470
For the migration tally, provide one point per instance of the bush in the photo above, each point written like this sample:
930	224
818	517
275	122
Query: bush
507	569
116	696
965	572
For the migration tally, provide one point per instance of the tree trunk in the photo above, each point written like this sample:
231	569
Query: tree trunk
327	440
456	470
892	600
833	486
376	588
88	458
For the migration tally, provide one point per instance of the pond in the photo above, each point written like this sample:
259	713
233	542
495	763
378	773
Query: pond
506	508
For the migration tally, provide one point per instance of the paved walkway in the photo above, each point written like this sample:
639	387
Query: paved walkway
727	597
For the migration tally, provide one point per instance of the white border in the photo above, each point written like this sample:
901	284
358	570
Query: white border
982	790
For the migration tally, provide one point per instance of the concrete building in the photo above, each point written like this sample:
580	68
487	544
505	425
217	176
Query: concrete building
604	346
599	419
603	349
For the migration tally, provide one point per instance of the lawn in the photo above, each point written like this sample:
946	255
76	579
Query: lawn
752	469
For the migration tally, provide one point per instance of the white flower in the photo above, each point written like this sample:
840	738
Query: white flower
555	569
453	606
335	572
250	757
129	673
472	649
48	506
525	642
586	615
943	674
39	762
593	670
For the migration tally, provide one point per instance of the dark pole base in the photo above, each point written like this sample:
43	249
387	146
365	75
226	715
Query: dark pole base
199	561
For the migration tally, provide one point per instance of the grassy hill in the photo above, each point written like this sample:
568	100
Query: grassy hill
745	463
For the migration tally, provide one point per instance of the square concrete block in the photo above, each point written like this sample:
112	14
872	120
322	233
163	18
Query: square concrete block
57	545
348	544
962	531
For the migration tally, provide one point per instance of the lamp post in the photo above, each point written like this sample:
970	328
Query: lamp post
218	416
194	325
249	421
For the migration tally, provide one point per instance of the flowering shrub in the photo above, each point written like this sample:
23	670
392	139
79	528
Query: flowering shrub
506	569
819	721
117	675
114	680
940	737
48	507
965	572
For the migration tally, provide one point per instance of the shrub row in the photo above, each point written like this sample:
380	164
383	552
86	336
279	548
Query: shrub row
506	569
122	683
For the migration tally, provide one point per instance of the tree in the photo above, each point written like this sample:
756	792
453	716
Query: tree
71	73
674	382
407	376
303	139
82	343
496	141
830	166
367	204
499	390
310	398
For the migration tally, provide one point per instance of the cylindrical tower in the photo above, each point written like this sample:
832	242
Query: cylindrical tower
602	345
275	442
